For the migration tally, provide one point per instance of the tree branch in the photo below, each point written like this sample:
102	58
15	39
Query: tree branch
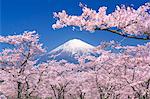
124	35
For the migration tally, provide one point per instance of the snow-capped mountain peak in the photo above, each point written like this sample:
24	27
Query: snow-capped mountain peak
69	51
74	46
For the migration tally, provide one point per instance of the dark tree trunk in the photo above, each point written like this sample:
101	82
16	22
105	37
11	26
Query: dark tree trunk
19	90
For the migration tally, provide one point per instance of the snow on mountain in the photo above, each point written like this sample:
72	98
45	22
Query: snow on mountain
68	50
74	46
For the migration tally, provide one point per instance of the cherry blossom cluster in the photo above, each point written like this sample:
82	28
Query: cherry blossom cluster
125	20
25	46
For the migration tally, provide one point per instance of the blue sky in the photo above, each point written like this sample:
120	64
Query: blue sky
22	15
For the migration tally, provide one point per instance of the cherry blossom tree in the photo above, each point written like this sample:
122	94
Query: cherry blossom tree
125	21
17	63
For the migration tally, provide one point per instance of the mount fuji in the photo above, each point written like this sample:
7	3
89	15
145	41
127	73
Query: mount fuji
69	50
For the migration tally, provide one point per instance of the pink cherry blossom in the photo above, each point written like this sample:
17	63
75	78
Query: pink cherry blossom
127	21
